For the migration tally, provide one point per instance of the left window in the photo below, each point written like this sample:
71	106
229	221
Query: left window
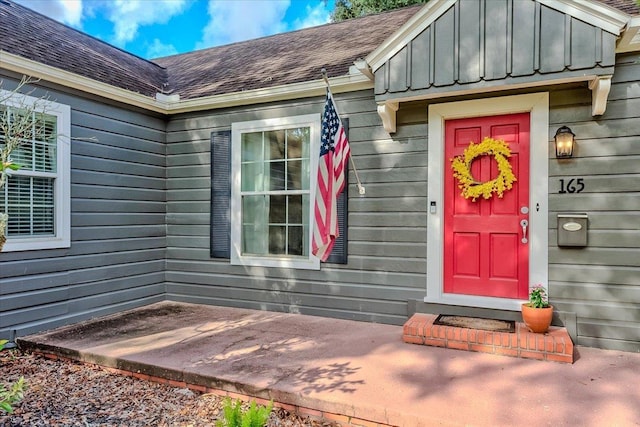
36	197
273	173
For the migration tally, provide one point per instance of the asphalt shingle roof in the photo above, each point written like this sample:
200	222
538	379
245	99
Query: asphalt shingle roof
31	35
281	59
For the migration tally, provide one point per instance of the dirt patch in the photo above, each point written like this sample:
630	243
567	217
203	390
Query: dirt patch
65	393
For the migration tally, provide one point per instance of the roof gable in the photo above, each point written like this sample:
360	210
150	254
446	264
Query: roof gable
597	13
453	46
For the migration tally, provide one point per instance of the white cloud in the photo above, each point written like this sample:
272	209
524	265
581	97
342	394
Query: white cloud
65	11
128	15
314	16
232	21
157	49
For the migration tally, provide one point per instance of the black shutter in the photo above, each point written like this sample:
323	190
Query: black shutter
221	194
339	253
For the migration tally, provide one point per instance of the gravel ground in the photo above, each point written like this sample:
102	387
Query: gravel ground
64	393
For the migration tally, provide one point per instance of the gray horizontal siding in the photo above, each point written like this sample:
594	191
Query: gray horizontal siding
118	227
600	283
140	220
387	259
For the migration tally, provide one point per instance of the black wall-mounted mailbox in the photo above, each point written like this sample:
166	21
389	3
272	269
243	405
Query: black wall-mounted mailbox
572	229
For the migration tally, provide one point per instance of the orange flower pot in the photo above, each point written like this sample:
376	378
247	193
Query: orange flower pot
537	320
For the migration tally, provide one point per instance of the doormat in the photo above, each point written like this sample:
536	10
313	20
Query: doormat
492	325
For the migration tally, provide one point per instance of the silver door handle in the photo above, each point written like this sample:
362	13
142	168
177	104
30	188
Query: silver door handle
524	224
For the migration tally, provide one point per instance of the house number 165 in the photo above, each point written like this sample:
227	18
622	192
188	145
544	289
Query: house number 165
574	185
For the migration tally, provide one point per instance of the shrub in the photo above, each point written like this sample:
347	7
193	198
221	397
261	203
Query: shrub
234	416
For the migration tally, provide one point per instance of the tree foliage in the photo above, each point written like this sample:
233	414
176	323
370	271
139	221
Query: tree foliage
347	9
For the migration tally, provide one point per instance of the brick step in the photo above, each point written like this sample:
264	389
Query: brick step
554	345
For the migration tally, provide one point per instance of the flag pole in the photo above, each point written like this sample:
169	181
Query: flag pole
361	191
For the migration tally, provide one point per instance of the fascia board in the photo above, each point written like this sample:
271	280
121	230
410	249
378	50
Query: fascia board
412	28
592	12
491	89
630	40
55	75
18	64
340	84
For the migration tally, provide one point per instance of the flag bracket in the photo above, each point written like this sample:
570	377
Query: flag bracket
361	190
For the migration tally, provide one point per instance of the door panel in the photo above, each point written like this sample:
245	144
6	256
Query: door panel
483	249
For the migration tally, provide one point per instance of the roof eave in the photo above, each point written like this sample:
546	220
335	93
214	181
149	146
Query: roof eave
167	105
347	83
28	67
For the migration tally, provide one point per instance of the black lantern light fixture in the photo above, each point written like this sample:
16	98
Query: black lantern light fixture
565	140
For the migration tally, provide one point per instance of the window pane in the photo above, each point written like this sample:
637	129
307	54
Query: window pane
276	145
295	178
30	206
276	175
45	143
23	156
253	178
252	147
42	220
278	210
296	246
277	239
38	149
254	225
44	157
295	209
296	139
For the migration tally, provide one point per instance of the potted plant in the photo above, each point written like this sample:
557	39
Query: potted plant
537	313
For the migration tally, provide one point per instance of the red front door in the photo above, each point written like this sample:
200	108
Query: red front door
484	250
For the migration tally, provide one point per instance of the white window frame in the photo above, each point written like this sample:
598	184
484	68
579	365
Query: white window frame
62	182
237	129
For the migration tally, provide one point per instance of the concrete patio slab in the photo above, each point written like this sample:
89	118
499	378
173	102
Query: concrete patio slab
359	373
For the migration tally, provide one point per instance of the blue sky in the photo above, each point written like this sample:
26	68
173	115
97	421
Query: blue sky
155	28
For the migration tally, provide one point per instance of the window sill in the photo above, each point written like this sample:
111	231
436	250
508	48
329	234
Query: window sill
36	244
311	263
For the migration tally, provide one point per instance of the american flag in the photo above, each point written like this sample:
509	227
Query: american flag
334	154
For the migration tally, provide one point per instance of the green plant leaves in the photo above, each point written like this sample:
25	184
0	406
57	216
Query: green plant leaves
8	398
234	416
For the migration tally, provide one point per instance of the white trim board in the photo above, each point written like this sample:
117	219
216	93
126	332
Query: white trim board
537	104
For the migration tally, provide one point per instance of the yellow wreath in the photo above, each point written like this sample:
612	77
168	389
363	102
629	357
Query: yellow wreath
473	189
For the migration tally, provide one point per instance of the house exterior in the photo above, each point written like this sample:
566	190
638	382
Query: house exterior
191	178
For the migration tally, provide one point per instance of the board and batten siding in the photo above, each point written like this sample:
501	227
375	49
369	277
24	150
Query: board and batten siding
600	283
483	44
387	236
118	232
